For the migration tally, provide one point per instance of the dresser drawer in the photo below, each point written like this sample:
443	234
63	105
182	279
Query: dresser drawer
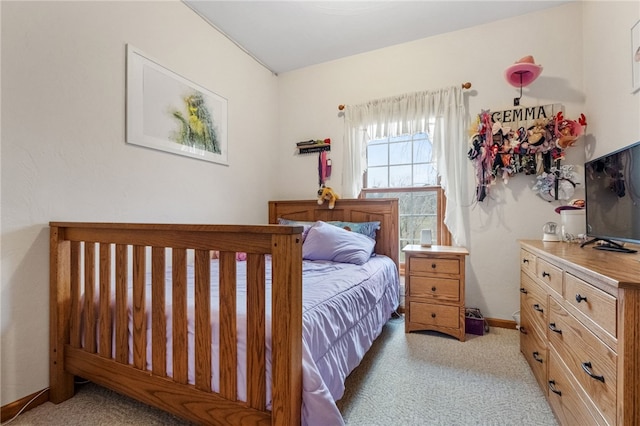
435	288
566	398
434	315
528	262
533	302
597	305
534	349
549	274
420	265
591	362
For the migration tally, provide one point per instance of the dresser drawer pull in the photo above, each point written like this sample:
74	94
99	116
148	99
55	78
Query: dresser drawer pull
586	366
523	290
545	274
536	307
580	298
552	327
433	288
552	387
522	330
525	260
536	356
433	315
433	265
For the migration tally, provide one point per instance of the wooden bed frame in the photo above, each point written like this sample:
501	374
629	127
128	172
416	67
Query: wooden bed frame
92	261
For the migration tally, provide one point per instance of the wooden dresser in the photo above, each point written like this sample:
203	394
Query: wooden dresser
434	289
580	330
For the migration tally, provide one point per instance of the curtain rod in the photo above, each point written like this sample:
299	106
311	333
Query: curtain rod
466	85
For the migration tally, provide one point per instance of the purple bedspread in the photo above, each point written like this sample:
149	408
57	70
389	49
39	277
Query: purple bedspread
344	309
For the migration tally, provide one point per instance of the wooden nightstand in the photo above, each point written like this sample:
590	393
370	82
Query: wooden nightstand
434	289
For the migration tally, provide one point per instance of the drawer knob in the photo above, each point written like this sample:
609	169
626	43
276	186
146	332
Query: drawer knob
433	265
536	356
433	315
523	290
552	387
580	298
545	274
433	288
522	330
525	260
552	327
586	366
536	307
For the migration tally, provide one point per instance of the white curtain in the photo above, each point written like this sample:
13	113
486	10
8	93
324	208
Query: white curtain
408	114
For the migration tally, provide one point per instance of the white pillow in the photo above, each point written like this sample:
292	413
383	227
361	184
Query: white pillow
328	242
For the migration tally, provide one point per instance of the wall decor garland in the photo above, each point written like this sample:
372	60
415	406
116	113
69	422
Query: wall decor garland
499	150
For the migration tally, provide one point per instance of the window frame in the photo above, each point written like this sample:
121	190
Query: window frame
443	235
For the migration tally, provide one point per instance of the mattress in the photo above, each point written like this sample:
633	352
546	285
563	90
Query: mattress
344	309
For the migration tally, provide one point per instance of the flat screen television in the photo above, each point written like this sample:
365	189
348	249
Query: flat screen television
612	189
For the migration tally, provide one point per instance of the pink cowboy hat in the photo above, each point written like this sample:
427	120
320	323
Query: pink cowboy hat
523	72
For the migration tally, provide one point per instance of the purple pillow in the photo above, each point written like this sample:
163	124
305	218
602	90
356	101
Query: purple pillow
305	225
329	242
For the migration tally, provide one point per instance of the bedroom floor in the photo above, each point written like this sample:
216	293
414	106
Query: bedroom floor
427	378
422	378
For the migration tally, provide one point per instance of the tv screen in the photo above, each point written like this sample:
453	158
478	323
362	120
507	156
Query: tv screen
612	187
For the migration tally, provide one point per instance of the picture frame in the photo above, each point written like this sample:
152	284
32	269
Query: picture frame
167	112
635	57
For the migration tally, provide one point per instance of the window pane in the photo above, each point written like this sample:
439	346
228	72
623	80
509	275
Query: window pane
406	162
424	175
377	155
400	138
400	176
418	210
422	150
377	177
400	153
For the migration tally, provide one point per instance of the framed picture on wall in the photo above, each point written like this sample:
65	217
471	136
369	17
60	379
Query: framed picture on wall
168	112
635	57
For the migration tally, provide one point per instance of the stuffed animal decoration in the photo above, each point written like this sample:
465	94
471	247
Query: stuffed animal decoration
326	193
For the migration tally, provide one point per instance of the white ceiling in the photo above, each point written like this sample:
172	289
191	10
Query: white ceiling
288	35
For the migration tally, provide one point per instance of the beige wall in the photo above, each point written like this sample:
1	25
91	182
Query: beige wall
309	98
615	111
64	155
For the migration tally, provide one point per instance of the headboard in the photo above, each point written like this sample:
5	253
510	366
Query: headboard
384	210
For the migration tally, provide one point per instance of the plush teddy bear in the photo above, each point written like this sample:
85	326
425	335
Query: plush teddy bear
326	193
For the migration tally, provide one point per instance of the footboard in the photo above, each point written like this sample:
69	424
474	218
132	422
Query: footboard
91	267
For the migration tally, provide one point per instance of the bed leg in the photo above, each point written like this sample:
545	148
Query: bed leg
61	383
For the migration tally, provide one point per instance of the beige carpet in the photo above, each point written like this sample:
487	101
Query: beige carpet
420	378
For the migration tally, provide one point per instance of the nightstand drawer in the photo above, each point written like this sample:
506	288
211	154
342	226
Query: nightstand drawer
435	288
434	266
436	315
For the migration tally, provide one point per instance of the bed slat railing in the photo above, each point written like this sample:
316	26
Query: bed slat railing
89	297
139	315
256	369
92	263
122	296
179	295
228	324
105	300
203	320
158	317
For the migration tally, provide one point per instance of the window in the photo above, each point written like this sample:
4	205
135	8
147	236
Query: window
402	167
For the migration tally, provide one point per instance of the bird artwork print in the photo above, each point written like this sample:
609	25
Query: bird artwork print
197	128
